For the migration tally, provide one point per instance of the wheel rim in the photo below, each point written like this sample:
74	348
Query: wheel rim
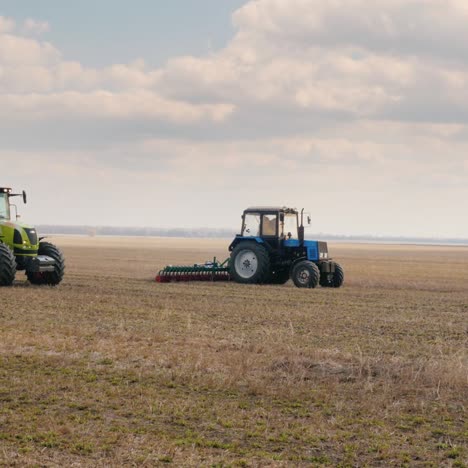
246	264
303	276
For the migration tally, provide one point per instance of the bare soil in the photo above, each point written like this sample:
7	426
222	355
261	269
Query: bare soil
111	368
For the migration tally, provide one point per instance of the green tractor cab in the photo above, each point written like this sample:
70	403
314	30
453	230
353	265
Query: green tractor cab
22	250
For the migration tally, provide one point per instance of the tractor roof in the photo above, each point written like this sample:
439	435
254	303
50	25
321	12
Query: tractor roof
270	209
5	190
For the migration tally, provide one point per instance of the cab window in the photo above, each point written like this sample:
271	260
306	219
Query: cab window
269	224
251	225
290	226
4	207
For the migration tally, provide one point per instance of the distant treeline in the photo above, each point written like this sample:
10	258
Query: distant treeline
229	233
135	231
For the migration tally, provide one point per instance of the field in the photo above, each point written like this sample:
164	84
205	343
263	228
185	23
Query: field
112	369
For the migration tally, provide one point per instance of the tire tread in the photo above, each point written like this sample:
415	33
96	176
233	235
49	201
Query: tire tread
49	278
314	274
7	266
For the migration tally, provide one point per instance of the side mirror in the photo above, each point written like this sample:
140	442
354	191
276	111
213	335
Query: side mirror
25	198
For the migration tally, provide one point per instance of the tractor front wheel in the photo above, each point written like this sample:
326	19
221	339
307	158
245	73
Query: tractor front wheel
50	278
333	280
7	266
306	275
250	263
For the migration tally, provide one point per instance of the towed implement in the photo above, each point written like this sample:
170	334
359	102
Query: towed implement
209	271
270	249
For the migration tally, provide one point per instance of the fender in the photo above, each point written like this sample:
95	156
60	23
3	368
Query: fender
240	238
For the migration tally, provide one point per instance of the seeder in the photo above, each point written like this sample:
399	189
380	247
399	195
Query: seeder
271	249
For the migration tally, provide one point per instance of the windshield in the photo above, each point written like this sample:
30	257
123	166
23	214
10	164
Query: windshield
4	206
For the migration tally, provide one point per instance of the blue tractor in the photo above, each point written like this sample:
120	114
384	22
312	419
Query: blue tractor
271	249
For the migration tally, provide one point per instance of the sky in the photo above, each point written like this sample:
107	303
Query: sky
183	113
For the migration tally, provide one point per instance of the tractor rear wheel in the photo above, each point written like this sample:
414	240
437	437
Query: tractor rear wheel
250	263
51	278
333	280
7	266
306	275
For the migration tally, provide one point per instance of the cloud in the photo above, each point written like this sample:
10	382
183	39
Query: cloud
353	59
406	27
37	84
304	58
104	104
353	185
359	109
17	51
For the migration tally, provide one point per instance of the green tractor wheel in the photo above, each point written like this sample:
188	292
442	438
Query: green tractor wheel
7	266
51	278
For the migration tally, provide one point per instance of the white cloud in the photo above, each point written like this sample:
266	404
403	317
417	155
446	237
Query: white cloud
362	104
433	27
18	51
36	84
105	104
363	187
281	59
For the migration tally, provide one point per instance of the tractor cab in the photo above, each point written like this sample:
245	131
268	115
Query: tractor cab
278	227
270	222
4	204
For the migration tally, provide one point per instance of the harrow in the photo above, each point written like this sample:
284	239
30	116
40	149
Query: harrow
208	271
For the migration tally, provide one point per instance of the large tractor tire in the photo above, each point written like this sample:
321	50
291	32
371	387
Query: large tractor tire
7	266
279	277
250	263
50	278
334	280
306	274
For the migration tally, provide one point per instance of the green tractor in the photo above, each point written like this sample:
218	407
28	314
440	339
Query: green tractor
22	250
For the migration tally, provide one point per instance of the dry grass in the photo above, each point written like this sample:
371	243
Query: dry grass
113	369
